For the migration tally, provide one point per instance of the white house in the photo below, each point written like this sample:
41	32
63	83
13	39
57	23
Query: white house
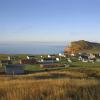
57	59
69	60
72	54
9	58
61	55
91	56
51	56
30	57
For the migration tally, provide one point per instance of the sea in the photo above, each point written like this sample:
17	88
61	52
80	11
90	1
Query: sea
32	47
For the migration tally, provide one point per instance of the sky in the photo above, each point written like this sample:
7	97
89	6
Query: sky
49	20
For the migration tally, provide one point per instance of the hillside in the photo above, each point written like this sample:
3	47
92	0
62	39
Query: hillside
67	84
83	45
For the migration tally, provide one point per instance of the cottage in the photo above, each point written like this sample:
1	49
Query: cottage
61	55
14	69
30	57
28	61
72	54
49	60
83	58
69	60
51	56
92	58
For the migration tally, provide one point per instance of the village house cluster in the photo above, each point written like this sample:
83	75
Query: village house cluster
16	64
87	57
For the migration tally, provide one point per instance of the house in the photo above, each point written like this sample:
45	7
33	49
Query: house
61	55
72	54
57	59
49	60
9	58
28	61
30	57
83	58
92	58
69	60
51	56
14	69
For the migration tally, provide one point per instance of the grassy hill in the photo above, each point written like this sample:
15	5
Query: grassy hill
84	46
67	84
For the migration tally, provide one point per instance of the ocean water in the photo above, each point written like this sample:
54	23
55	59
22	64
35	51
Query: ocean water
32	48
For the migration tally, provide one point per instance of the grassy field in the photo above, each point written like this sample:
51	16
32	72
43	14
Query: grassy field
85	64
67	84
80	81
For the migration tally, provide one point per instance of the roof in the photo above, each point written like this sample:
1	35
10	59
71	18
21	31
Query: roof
84	57
49	59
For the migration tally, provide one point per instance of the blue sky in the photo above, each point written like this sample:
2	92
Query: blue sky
49	20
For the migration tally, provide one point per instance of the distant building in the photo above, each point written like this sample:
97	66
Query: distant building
69	60
57	59
51	56
9	58
50	60
91	56
30	57
28	61
61	55
83	58
72	54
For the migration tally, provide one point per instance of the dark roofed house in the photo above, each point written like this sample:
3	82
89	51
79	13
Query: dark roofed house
49	60
28	61
83	58
30	57
14	69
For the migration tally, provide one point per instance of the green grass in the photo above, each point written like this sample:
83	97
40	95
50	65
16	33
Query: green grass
69	84
34	67
85	64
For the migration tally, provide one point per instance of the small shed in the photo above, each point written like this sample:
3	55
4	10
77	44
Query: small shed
14	69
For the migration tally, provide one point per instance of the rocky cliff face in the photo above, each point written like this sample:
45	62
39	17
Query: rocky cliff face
76	46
